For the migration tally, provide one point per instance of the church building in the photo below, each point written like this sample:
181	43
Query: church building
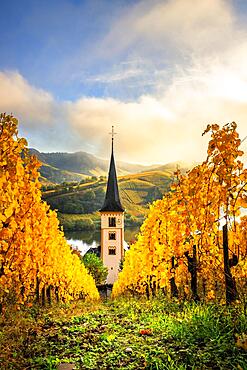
112	224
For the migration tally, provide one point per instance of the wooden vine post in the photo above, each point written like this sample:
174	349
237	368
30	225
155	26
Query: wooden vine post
231	290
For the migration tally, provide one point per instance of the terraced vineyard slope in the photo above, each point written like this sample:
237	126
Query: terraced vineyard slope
136	191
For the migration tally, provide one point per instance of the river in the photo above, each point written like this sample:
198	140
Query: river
84	240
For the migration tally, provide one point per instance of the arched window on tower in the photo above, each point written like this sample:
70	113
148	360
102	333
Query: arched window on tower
112	235
112	251
112	221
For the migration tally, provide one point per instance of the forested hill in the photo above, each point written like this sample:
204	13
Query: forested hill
68	167
60	167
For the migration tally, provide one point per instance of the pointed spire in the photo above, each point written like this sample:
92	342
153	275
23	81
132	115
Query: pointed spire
112	200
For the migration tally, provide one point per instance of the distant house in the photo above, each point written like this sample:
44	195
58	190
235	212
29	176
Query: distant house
94	250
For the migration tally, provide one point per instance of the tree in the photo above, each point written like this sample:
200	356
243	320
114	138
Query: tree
180	245
35	258
95	266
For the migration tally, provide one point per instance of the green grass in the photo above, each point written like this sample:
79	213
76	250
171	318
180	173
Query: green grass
182	336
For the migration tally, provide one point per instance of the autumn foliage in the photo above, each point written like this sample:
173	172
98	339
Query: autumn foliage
180	245
36	263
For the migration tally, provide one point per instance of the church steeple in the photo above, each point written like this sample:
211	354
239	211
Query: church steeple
112	200
112	224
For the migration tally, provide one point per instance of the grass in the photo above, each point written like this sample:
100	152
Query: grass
125	334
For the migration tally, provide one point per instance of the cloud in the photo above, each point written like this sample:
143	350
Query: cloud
173	25
150	133
42	119
137	125
206	84
116	76
152	129
165	38
34	106
194	55
167	126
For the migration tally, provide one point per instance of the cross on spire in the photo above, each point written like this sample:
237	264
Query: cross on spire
112	133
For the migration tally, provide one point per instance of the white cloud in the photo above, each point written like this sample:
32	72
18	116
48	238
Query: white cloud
137	124
207	85
33	106
153	129
116	76
168	126
182	25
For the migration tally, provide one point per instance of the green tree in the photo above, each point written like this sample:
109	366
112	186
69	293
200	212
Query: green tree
95	266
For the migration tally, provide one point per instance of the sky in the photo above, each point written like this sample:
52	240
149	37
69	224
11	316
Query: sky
158	70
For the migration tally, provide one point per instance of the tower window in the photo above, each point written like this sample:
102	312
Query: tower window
112	236
112	251
112	221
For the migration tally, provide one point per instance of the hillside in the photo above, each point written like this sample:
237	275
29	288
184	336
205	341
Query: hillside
54	175
66	167
171	167
77	202
75	184
137	191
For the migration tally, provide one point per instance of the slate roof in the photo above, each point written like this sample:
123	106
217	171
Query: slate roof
112	200
94	250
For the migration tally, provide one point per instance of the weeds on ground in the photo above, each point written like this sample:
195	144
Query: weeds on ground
126	334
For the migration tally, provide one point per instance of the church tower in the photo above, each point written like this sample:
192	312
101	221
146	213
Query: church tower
112	224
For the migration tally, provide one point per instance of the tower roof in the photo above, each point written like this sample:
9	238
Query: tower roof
112	200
